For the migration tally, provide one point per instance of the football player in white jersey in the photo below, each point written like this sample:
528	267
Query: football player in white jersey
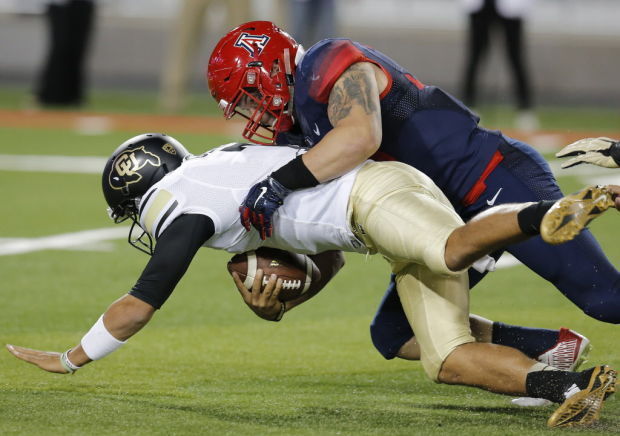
185	202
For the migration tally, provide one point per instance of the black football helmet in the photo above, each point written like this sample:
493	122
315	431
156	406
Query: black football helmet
135	166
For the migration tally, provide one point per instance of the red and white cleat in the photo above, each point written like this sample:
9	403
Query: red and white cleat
568	354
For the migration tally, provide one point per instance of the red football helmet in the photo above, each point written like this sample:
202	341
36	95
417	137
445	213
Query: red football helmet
250	73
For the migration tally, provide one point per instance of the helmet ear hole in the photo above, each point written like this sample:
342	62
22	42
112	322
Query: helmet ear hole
275	68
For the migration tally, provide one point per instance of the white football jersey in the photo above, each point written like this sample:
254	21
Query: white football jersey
214	184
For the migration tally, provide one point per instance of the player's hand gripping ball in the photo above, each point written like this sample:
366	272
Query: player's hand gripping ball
297	271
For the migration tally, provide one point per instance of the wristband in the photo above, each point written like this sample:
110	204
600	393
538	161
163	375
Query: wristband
531	216
295	175
281	314
67	364
99	342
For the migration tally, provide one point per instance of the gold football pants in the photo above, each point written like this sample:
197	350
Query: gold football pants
398	211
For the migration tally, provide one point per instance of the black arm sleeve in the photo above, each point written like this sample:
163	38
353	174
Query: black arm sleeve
174	252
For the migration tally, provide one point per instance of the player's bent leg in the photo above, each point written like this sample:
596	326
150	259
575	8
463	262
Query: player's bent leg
505	370
400	213
437	309
486	232
392	335
580	270
492	367
481	329
569	352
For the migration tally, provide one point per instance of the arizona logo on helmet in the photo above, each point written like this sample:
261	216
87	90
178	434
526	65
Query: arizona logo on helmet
126	167
252	42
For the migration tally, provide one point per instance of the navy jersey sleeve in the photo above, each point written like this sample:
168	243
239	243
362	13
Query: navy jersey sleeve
174	252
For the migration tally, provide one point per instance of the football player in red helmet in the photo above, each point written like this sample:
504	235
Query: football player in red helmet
351	103
251	74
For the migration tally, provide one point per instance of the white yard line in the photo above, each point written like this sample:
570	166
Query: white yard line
56	164
589	174
72	241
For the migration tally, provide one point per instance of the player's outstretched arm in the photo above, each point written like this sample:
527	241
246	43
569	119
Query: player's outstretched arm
124	318
174	252
604	152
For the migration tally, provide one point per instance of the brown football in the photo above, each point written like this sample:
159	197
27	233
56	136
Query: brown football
297	271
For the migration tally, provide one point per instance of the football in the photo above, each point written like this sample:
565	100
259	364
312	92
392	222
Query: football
297	271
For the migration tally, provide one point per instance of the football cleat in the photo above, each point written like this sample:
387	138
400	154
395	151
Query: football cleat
568	354
583	406
571	214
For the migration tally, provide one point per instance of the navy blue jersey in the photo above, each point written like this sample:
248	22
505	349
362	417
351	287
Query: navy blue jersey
432	131
423	126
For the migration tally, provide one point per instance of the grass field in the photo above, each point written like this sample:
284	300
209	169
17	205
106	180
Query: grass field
206	364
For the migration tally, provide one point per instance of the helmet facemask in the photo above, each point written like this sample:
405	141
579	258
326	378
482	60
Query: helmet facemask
251	73
264	99
138	237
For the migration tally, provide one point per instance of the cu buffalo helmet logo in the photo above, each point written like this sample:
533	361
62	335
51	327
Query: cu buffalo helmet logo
252	43
126	167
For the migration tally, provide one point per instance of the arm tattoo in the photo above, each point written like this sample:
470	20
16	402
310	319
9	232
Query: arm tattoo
354	87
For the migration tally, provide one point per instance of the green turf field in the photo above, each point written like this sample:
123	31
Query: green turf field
208	365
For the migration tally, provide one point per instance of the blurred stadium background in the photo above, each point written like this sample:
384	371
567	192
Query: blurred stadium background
573	46
207	365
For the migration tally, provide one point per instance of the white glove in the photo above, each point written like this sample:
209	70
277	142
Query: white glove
604	152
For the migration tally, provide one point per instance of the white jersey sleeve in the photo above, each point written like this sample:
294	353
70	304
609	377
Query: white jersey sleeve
311	220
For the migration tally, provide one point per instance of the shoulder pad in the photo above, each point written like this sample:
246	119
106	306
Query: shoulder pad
324	64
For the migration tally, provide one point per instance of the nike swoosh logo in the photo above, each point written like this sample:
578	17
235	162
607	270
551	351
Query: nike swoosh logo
491	202
315	77
263	190
316	130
